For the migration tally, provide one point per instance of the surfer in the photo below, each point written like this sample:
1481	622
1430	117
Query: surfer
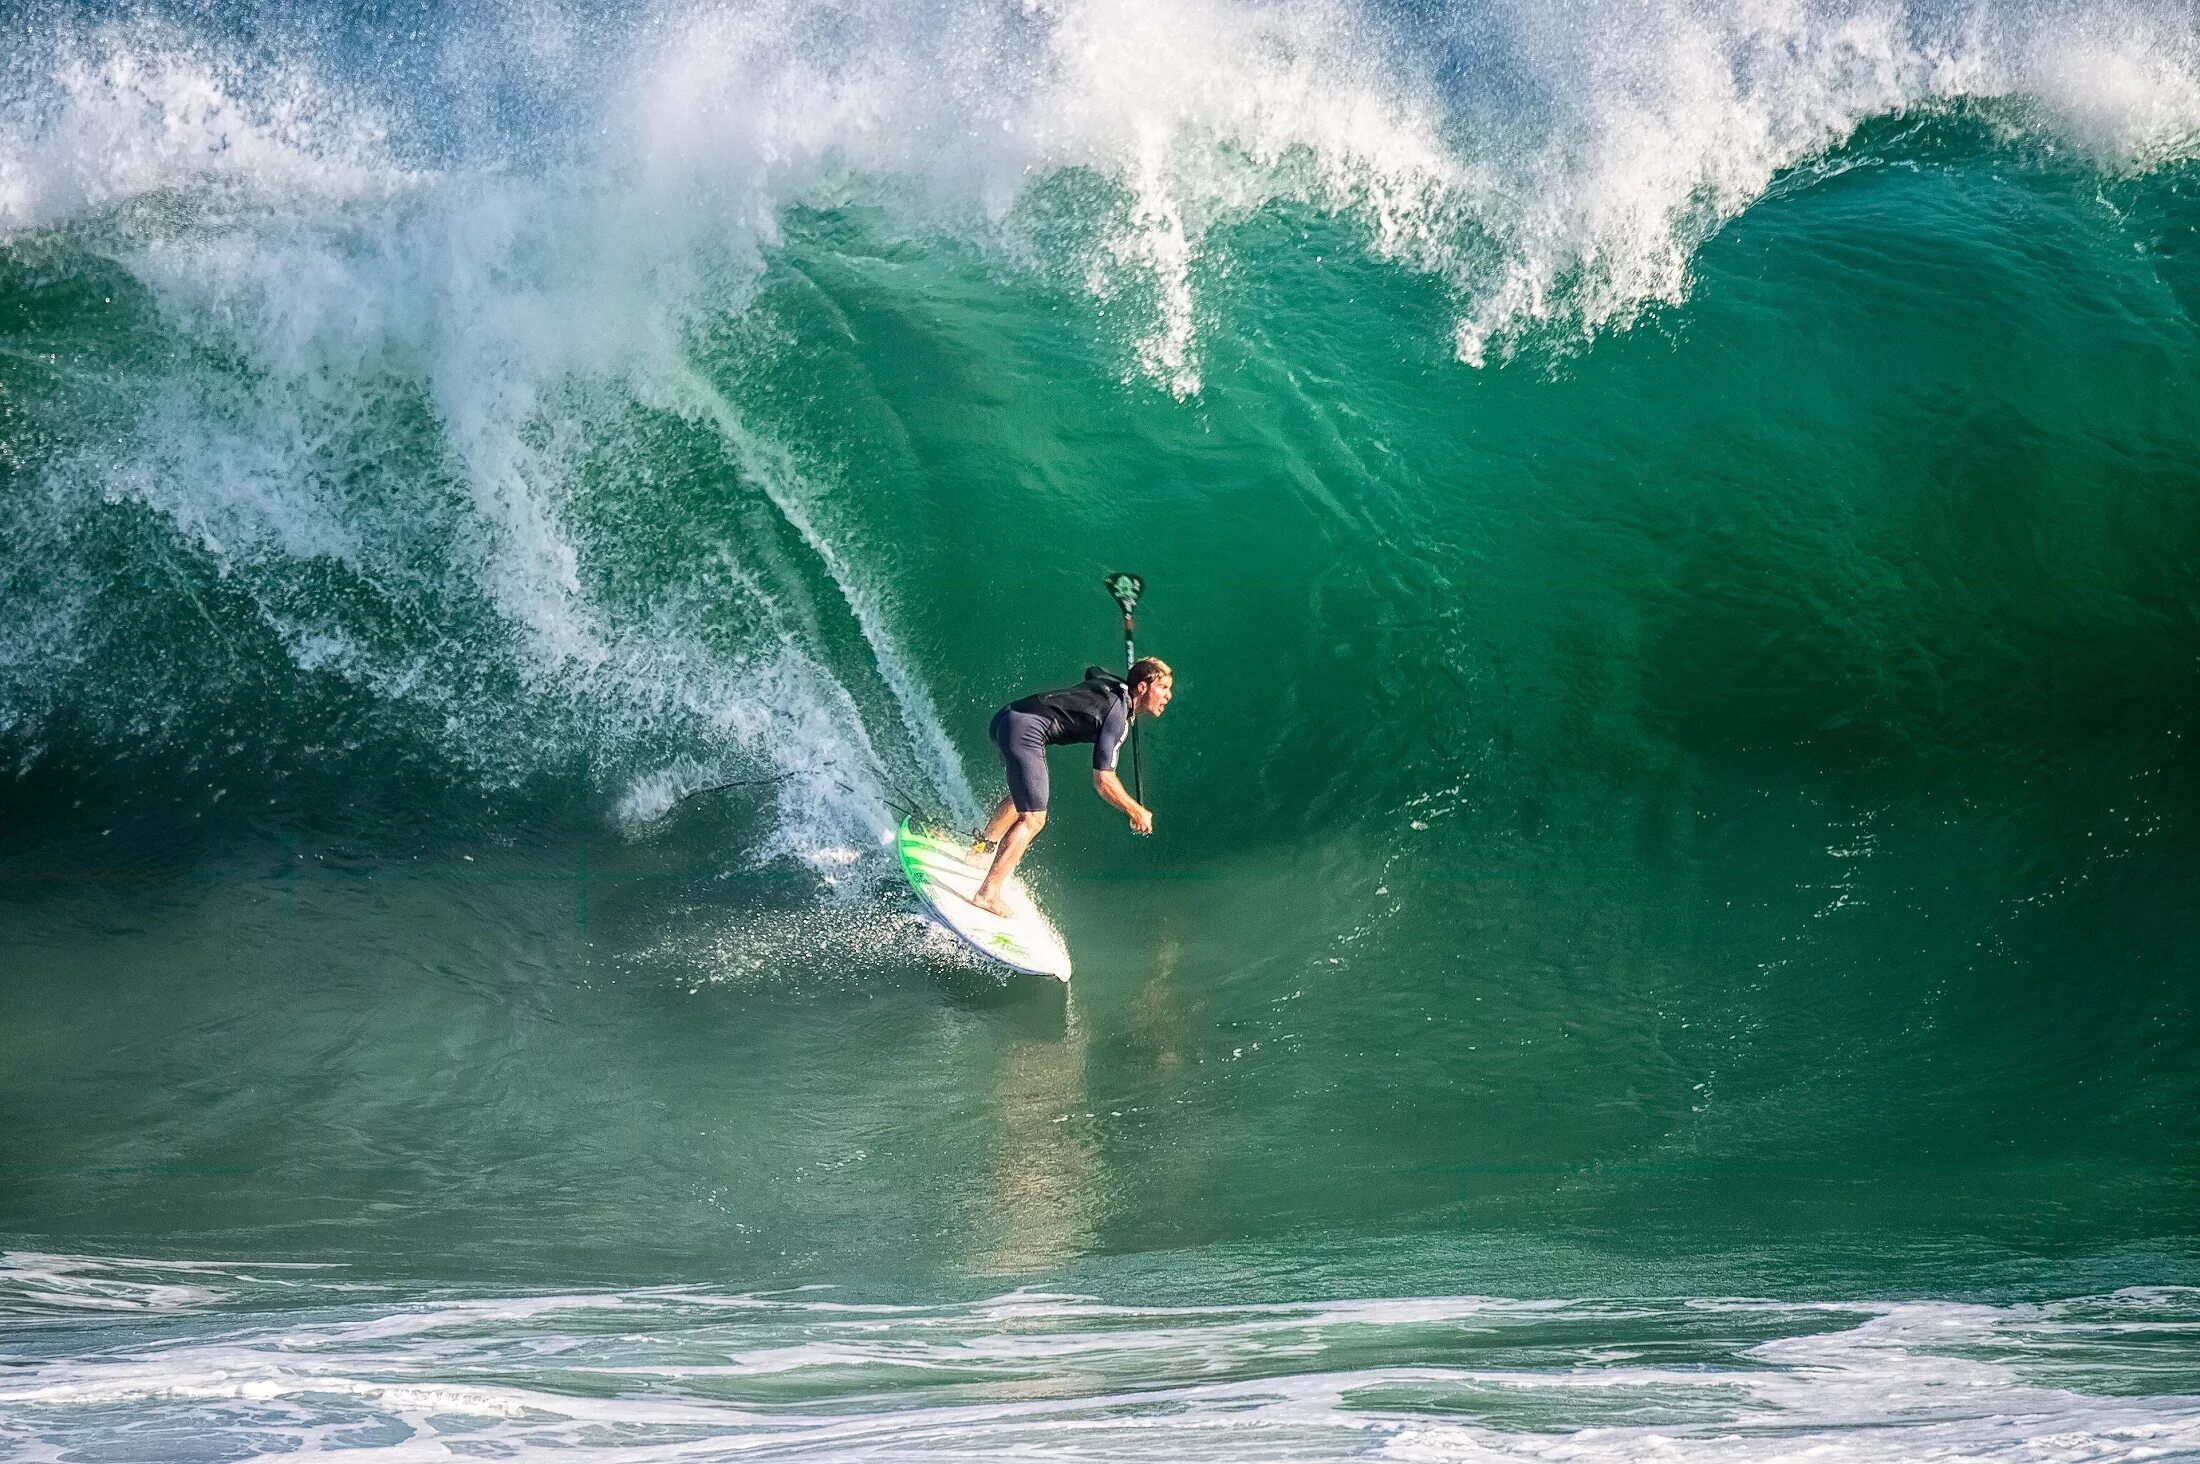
1097	710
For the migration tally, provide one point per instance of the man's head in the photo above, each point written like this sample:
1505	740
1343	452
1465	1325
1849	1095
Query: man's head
1152	683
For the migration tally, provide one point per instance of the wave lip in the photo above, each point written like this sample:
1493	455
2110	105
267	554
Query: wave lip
1552	163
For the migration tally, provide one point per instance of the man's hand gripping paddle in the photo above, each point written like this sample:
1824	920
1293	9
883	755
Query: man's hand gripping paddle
1125	589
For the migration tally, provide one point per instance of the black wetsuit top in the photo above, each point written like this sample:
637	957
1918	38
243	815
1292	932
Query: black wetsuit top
1096	710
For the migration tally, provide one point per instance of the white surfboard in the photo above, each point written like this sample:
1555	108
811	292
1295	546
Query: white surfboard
942	872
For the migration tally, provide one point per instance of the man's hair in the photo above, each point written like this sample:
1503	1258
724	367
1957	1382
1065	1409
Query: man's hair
1145	669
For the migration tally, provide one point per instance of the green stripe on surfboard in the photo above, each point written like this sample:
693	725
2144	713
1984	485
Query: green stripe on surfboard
939	868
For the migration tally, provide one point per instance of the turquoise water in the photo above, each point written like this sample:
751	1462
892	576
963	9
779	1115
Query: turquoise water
1668	922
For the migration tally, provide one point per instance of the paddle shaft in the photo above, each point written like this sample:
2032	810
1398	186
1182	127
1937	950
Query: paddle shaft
1130	659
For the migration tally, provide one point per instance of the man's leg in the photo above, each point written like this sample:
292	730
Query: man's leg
1004	814
1010	854
1022	742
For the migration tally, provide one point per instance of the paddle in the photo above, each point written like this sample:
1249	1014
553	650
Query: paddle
1125	589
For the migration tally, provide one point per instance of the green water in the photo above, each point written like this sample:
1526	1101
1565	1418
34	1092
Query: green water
1722	783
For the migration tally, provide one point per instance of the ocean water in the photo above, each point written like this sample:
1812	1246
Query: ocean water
1669	928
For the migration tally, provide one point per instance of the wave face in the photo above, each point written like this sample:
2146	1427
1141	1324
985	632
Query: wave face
1677	527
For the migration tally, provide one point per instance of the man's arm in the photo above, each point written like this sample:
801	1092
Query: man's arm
1110	787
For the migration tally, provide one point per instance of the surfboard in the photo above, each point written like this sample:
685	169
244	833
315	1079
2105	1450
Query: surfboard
939	868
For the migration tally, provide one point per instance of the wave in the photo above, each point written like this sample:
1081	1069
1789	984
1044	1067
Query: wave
441	381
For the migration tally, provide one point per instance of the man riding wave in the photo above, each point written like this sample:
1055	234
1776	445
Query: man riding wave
1098	710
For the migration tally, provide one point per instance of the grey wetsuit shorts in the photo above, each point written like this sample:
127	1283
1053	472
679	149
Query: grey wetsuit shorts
1022	739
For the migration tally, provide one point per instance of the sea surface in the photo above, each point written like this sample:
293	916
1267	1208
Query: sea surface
1669	932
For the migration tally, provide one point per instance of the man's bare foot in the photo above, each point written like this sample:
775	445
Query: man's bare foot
991	904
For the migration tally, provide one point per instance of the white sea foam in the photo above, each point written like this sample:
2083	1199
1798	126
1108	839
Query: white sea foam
39	1283
688	1373
115	114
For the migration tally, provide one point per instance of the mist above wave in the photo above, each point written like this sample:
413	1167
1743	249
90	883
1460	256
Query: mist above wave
1549	163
